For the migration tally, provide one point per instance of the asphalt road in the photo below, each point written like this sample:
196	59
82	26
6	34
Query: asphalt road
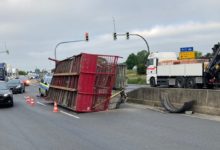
132	127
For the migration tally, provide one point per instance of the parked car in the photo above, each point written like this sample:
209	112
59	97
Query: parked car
16	86
6	96
25	80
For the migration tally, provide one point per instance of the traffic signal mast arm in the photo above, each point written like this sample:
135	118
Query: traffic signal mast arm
55	53
64	42
128	34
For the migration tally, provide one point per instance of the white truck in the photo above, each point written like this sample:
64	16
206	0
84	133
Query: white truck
163	68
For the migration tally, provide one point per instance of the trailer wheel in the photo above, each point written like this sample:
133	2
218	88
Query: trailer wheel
180	82
190	83
210	86
152	82
199	86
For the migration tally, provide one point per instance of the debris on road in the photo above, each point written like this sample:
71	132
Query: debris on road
166	103
84	82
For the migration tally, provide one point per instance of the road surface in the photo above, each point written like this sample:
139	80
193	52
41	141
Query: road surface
132	127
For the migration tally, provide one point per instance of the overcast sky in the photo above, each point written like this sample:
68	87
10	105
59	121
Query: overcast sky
32	28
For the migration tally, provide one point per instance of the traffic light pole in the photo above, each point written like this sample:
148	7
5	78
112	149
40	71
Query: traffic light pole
64	42
148	48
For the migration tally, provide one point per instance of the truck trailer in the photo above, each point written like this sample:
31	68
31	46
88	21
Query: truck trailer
163	68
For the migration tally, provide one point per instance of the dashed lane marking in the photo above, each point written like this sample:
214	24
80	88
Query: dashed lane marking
41	104
71	115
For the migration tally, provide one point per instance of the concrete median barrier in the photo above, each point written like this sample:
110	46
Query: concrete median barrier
207	101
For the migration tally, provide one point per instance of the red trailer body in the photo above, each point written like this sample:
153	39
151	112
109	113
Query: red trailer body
84	82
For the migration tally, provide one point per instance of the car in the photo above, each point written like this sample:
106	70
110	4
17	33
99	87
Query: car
44	85
16	86
25	80
6	96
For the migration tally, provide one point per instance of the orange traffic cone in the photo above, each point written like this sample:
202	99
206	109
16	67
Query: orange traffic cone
32	102
27	99
55	108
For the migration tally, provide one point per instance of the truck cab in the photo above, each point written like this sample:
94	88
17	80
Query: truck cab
153	59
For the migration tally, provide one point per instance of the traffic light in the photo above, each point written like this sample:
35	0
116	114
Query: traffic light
87	36
114	36
127	35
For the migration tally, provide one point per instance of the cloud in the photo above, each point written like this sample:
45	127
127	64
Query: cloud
32	28
181	29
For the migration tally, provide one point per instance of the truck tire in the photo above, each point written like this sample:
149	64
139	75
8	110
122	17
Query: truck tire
152	82
190	83
180	82
210	86
199	86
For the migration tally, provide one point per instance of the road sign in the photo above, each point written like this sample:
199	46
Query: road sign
186	49
187	55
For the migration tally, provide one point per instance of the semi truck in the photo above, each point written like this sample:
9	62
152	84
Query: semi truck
3	72
164	68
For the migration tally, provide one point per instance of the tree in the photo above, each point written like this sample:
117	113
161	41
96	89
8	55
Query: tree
141	69
208	55
198	54
142	57
37	71
21	72
142	60
131	61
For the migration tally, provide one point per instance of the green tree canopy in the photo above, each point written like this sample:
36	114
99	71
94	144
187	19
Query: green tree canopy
138	60
142	60
198	54
21	72
142	57
131	61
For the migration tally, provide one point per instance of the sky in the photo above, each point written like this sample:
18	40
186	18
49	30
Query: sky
30	29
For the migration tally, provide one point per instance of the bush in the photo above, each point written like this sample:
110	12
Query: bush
138	80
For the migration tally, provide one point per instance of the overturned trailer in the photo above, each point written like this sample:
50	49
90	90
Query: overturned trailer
83	83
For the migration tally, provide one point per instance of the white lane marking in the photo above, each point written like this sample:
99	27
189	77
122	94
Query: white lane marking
69	114
41	104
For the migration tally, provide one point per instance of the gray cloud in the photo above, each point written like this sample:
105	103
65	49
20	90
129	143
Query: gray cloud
32	28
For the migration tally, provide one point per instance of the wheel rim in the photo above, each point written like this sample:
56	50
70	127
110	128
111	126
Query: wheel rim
190	83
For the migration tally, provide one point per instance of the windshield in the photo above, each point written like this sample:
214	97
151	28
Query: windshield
1	72
13	81
3	86
150	62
